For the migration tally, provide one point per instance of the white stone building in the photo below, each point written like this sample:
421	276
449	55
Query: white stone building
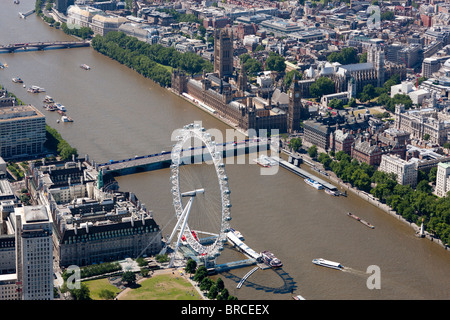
405	171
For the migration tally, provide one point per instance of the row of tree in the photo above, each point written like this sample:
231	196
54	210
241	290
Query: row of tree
216	289
150	60
54	142
415	205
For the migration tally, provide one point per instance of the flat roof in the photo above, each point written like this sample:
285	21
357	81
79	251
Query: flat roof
35	213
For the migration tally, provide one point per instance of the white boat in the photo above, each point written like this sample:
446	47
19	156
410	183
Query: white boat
38	89
263	161
17	80
298	297
85	67
60	107
331	192
237	234
313	183
328	264
48	99
66	119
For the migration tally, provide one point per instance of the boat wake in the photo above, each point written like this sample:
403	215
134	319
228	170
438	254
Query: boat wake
355	271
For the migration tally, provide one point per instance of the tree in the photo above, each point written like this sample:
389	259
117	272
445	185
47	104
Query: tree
206	284
312	151
106	294
82	293
295	144
191	265
129	277
200	274
336	104
321	86
275	62
345	56
289	76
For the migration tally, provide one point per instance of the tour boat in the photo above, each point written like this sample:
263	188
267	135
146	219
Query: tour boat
263	161
37	89
269	258
328	264
237	234
313	183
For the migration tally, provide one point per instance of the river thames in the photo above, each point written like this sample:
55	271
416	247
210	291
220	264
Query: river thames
119	114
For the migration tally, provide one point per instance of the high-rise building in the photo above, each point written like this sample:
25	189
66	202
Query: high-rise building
430	66
34	253
223	53
442	181
22	131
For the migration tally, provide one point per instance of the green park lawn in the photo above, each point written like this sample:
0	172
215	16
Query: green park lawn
163	287
96	286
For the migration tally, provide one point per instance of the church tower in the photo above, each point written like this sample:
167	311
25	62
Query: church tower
375	55
296	111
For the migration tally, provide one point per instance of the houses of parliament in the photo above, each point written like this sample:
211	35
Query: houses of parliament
230	96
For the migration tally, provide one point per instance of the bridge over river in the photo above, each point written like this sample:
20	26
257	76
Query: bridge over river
193	155
42	46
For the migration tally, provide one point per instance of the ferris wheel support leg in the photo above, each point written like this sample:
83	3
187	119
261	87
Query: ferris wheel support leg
186	212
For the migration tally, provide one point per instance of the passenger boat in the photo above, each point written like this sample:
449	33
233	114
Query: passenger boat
328	264
17	80
38	89
50	107
331	192
32	90
66	119
313	183
263	161
367	224
270	259
237	234
85	67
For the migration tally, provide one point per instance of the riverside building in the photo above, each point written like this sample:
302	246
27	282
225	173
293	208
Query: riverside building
92	223
22	130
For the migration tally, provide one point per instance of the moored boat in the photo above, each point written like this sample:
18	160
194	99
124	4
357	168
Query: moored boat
328	264
298	297
331	192
270	259
48	99
37	89
313	183
60	107
263	161
66	119
237	234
